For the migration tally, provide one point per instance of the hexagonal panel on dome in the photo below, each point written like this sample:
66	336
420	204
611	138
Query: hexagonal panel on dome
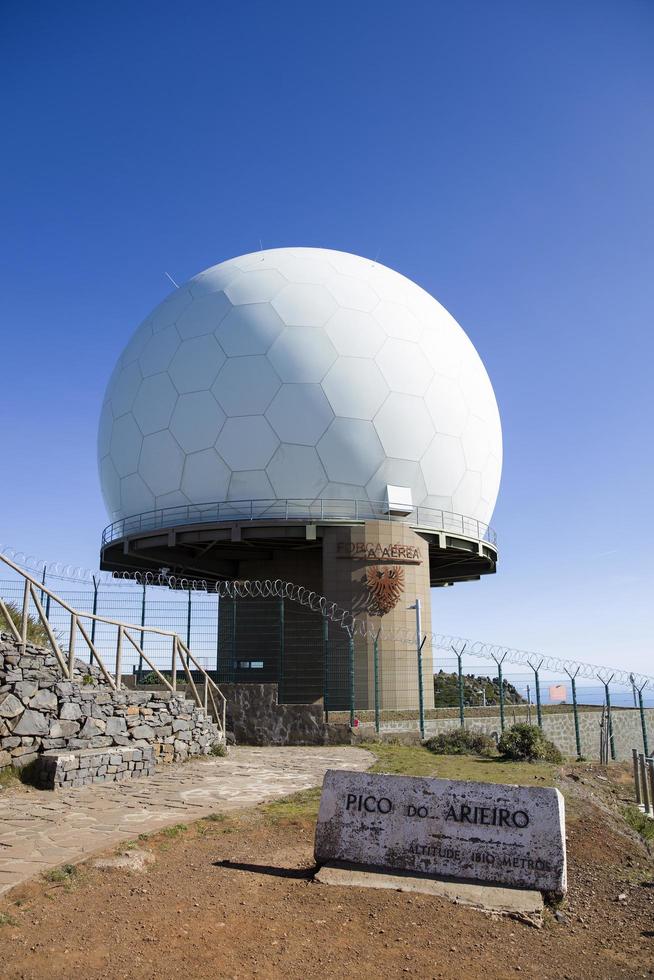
250	485
257	286
350	451
162	462
105	427
296	472
404	367
304	305
173	499
490	481
443	465
353	294
135	496
343	491
213	280
137	343
300	267
475	442
126	442
203	316
124	389
205	478
196	364
355	388
302	354
246	385
159	351
398	321
300	413
355	334
197	421
171	308
397	473
154	403
404	426
467	496
249	329
447	406
110	484
247	443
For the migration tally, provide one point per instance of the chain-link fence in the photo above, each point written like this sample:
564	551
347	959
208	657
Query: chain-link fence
381	679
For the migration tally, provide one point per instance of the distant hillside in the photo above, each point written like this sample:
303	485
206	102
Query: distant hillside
446	690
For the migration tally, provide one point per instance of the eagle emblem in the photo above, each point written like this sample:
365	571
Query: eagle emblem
386	585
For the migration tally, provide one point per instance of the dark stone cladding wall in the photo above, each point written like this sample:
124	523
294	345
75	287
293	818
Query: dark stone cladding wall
40	711
256	718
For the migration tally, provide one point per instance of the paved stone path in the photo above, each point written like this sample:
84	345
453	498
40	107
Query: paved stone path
41	829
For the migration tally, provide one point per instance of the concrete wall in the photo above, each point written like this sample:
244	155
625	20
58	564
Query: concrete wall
557	726
40	711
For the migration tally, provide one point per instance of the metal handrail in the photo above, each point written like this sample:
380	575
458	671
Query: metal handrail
318	509
180	654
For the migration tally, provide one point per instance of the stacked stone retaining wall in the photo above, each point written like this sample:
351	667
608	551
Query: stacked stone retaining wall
40	710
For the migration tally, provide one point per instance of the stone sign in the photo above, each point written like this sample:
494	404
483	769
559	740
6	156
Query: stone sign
509	835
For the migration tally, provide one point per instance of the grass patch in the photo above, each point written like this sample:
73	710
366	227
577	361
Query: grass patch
6	920
8	777
216	817
63	873
639	822
297	806
415	760
175	830
218	749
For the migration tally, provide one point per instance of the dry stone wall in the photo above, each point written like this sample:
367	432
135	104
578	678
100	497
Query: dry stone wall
41	711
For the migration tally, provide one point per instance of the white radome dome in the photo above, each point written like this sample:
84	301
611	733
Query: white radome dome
299	373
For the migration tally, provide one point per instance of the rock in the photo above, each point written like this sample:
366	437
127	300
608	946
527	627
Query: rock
561	918
92	727
32	723
622	897
26	690
5	759
10	706
45	700
134	860
142	731
115	726
63	728
70	711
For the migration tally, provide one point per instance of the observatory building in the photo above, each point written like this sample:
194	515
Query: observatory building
310	416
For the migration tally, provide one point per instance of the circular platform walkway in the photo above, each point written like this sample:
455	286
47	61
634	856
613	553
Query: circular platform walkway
40	829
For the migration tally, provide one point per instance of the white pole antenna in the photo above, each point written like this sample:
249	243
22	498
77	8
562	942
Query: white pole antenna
168	276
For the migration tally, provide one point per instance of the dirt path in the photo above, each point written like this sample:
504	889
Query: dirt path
41	829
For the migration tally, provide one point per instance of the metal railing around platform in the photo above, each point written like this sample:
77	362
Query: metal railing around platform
297	510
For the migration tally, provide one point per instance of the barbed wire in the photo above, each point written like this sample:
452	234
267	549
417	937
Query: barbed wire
344	618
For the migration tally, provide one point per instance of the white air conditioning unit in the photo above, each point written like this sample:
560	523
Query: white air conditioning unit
398	500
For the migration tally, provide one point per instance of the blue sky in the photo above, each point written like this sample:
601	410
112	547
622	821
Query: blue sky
500	154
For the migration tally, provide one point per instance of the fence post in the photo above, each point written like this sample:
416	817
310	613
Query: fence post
232	674
280	686
325	667
95	612
639	795
501	683
142	625
573	683
119	658
45	568
217	635
462	714
643	721
539	712
375	654
351	667
71	645
173	666
25	620
649	771
644	783
420	641
608	716
188	621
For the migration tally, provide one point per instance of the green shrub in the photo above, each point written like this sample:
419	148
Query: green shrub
527	743
36	631
460	741
218	748
637	820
